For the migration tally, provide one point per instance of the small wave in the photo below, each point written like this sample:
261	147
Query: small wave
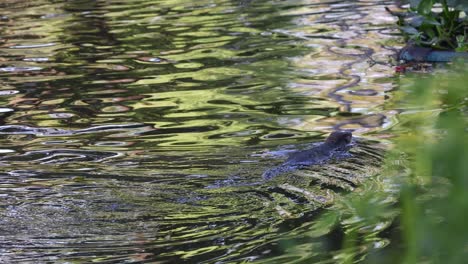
58	156
48	131
19	69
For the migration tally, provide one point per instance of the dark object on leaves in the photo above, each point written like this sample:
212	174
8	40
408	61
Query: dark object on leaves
414	53
421	54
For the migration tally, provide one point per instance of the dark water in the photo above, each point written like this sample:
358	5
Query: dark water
138	131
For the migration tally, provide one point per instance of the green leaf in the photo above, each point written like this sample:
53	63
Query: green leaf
416	21
425	6
431	21
434	41
410	30
430	33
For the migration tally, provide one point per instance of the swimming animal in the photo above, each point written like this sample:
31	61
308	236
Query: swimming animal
338	141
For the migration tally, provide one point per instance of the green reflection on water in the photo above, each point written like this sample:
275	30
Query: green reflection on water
206	94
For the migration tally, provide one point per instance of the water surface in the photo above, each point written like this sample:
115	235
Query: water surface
138	131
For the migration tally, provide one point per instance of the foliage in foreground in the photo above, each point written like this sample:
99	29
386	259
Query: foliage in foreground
434	197
416	211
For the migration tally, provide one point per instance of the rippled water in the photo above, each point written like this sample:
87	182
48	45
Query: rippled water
138	130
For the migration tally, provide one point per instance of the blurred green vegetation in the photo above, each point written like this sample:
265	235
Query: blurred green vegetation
416	210
433	192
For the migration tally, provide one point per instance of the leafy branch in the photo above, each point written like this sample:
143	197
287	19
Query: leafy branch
438	24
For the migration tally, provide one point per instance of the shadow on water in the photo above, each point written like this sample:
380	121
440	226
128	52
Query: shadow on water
139	130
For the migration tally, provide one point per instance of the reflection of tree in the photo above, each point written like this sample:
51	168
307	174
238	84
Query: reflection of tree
229	61
232	56
144	62
88	26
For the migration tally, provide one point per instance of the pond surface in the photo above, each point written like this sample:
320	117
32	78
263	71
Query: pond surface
138	131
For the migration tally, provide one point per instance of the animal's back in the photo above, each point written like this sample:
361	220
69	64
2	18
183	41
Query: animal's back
337	141
299	159
311	156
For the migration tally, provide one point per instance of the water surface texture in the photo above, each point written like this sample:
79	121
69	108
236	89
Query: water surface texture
138	131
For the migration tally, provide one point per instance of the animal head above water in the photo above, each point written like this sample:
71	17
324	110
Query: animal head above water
339	139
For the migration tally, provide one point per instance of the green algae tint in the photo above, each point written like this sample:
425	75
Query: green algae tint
138	131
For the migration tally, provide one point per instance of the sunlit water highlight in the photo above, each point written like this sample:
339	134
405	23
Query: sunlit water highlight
139	130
